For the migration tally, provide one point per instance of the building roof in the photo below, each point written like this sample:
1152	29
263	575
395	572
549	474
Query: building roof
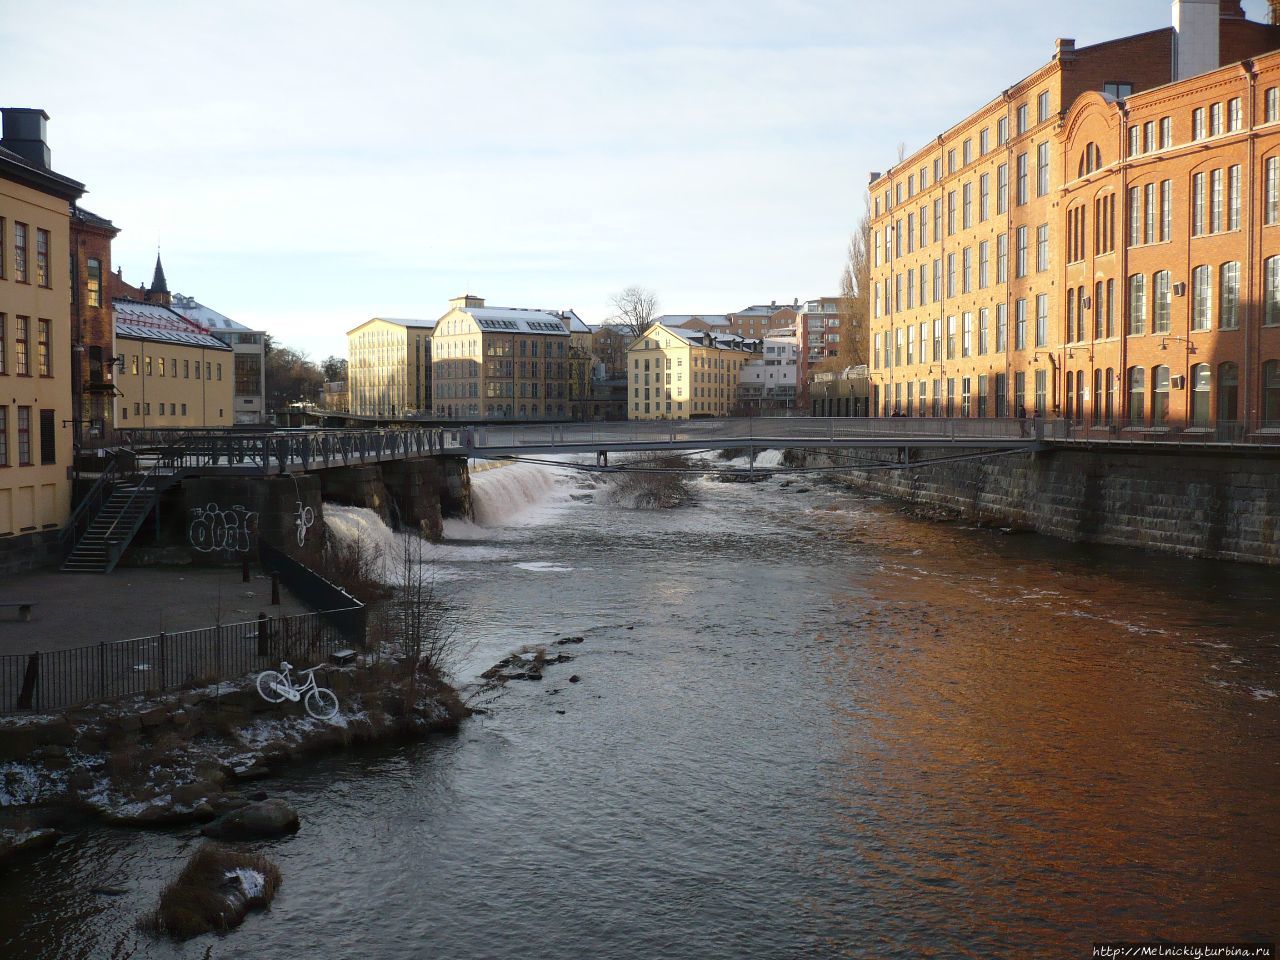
518	320
207	317
398	321
189	337
710	338
669	320
158	283
91	219
15	167
764	309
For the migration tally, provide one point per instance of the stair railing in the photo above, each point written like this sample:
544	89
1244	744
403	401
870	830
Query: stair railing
89	505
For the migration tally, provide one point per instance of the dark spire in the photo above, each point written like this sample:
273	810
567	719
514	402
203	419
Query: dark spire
158	284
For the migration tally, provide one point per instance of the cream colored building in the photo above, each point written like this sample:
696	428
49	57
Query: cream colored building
679	374
170	374
389	367
510	363
35	342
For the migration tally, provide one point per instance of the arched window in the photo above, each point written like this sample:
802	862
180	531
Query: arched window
1112	389
1081	390
1160	396
1201	385
1228	393
1137	393
1271	393
1097	396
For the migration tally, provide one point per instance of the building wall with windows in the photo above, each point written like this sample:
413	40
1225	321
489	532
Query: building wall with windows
680	374
1191	334
497	363
969	233
389	367
35	338
170	374
91	326
249	347
768	382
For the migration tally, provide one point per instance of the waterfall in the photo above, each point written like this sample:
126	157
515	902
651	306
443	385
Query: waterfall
351	524
513	495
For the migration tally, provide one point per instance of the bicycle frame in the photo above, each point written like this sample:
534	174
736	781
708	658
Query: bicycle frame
294	692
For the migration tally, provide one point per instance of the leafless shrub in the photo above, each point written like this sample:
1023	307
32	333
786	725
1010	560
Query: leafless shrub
357	567
208	895
652	484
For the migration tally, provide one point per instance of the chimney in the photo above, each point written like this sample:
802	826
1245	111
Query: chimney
1195	37
1275	12
1066	49
467	302
24	134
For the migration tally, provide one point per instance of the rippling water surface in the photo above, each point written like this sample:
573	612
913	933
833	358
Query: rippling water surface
806	726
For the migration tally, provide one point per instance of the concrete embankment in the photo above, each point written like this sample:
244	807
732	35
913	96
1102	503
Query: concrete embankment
1221	505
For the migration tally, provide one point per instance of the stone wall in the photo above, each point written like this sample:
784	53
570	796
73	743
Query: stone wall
38	550
1218	505
414	488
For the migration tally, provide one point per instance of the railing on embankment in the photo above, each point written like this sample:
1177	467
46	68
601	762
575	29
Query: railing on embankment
58	679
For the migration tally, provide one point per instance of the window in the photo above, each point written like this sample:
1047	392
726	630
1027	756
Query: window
1233	197
1160	396
42	257
967	193
1235	115
93	283
951	274
4	436
1228	392
984	142
1042	392
1135	216
1002	258
984	321
1042	319
1042	248
3	346
1202	299
1042	169
1229	296
1166	133
1272	207
1271	394
1042	107
1161	302
1215	119
1201	386
1002	131
1149	221
1022	179
951	212
1166	210
984	259
1273	104
1137	304
966	277
1215	201
1002	188
1020	325
966	336
42	347
1197	205
1271	294
1197	123
984	197
1002	328
951	160
1135	140
48	439
20	261
1137	394
21	346
951	338
1020	261
24	436
967	151
1117	88
1023	124
1148	136
2	256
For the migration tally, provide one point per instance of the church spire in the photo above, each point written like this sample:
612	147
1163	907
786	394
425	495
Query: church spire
158	283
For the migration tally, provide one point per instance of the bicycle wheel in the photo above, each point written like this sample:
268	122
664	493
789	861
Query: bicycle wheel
322	703
268	680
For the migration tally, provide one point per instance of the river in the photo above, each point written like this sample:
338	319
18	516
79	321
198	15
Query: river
807	726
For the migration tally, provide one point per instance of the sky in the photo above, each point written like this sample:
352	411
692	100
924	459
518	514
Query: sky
304	166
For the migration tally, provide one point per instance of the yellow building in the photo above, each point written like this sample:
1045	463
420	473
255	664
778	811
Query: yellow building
170	374
681	374
389	367
510	363
35	343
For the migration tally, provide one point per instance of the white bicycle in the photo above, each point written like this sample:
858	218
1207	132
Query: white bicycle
274	687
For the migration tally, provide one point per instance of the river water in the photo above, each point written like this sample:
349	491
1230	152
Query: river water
806	726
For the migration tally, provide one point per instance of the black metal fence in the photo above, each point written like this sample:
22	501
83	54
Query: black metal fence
340	608
58	679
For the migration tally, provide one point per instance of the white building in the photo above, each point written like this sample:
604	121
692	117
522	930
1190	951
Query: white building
249	348
769	383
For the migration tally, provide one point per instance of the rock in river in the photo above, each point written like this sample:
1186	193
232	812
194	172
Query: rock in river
267	818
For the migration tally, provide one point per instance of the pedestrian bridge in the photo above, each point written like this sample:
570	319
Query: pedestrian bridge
257	453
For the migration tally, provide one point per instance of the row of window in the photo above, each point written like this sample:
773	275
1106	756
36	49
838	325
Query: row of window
22	423
21	254
917	182
144	409
21	365
157	366
966	335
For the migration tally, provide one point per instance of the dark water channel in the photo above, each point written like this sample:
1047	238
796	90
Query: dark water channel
806	726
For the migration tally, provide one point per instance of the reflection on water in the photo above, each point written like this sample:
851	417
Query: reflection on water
806	727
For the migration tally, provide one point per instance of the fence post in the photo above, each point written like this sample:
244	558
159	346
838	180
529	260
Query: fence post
29	697
164	661
102	670
217	651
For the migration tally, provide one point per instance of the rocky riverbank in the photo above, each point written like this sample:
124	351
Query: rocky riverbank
192	757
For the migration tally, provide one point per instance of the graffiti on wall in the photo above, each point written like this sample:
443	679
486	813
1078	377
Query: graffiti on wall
303	518
216	529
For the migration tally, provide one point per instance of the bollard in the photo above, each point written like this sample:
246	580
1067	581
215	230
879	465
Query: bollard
275	589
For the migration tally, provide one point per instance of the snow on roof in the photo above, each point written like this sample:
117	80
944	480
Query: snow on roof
680	319
407	322
517	319
154	315
136	331
713	338
190	308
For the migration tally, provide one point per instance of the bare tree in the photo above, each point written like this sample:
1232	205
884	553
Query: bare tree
419	621
855	299
633	310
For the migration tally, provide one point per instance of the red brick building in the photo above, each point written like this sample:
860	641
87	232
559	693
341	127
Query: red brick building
978	237
91	326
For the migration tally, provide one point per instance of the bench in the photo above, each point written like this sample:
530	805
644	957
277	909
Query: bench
24	608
